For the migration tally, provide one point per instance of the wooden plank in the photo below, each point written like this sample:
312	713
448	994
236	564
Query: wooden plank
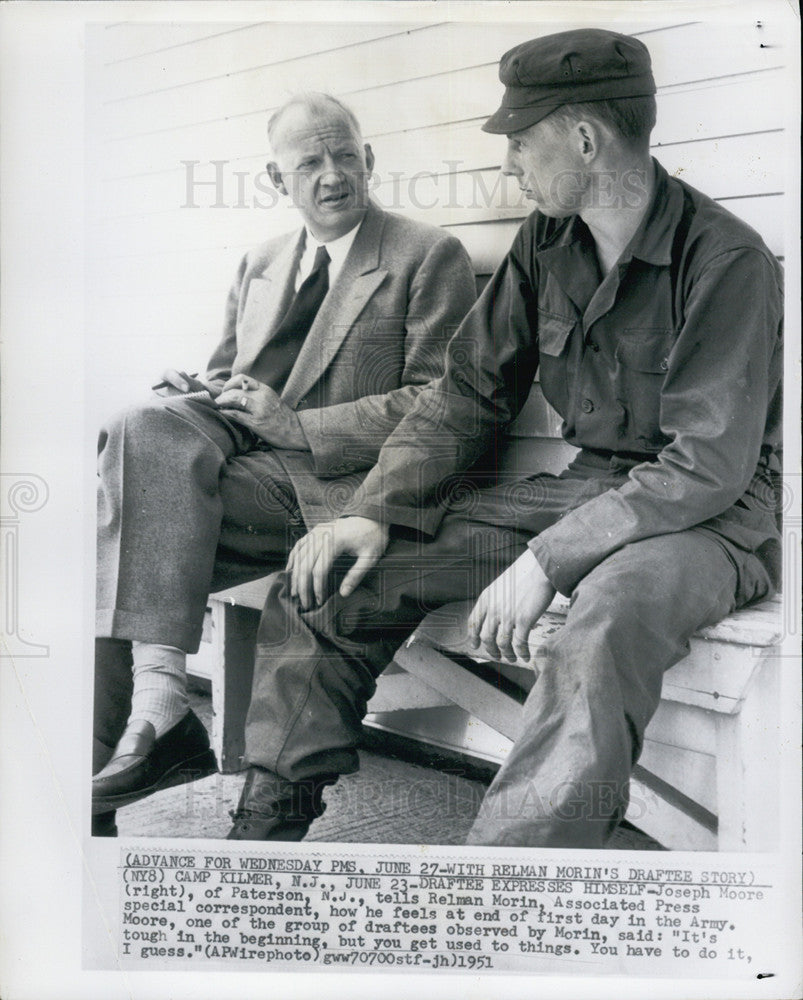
449	728
235	70
480	699
735	167
665	822
684	726
706	110
231	683
685	772
180	212
339	66
710	110
691	772
472	92
767	215
247	595
241	52
446	628
759	625
235	139
748	766
203	49
486	242
713	675
732	167
727	106
459	94
708	50
444	50
132	39
699	679
404	692
700	672
454	730
729	168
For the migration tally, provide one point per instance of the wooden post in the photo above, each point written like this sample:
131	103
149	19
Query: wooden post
234	631
748	747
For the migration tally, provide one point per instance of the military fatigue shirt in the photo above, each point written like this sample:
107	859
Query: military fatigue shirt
669	368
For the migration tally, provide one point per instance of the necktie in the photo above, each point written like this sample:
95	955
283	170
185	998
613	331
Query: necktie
278	356
304	307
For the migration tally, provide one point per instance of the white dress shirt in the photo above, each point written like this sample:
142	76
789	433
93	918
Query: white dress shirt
337	249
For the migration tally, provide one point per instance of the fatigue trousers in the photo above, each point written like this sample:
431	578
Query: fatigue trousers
189	502
565	781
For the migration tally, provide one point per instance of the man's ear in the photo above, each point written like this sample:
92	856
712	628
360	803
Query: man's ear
276	177
369	157
588	138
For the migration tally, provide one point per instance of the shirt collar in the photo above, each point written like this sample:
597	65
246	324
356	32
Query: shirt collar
337	249
652	241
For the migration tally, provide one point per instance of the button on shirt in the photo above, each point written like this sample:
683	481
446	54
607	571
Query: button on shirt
670	364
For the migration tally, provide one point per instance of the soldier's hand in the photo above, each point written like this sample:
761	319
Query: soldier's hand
312	558
507	610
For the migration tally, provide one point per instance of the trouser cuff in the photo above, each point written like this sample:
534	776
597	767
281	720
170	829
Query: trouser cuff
114	624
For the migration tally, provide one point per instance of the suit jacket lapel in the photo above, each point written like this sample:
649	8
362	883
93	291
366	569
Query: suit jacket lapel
356	283
268	299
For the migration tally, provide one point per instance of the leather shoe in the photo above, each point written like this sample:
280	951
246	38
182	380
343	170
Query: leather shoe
101	754
272	808
142	764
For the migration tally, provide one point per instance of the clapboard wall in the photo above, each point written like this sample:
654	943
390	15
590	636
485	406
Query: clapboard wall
176	148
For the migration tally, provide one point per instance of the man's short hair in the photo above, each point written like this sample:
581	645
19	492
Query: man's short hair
318	105
631	118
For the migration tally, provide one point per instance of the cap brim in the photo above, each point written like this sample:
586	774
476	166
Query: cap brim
506	121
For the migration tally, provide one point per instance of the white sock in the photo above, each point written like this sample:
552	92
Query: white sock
160	685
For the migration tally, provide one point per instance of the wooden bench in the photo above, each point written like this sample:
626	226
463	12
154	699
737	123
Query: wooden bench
707	776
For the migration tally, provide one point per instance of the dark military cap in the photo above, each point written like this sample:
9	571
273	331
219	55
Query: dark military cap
587	64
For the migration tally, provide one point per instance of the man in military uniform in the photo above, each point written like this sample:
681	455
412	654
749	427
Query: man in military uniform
653	316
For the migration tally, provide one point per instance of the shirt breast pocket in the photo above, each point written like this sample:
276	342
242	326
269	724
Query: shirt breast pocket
553	333
642	363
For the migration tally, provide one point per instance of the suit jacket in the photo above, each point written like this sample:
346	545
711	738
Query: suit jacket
378	339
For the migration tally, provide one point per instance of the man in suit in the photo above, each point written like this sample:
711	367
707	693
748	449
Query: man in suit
654	318
330	334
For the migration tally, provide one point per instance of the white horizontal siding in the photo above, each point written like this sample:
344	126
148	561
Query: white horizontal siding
736	169
240	52
160	94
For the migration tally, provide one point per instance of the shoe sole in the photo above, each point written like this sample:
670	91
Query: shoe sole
192	769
